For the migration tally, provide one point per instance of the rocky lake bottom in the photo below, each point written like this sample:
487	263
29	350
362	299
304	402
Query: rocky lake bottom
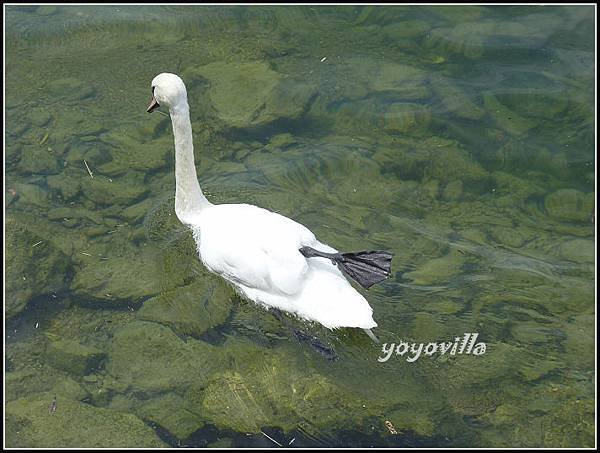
459	138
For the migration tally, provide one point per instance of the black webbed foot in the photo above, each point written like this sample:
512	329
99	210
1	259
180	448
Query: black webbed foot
366	268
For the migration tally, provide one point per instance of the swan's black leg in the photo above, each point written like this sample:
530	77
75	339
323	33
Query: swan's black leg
319	346
325	350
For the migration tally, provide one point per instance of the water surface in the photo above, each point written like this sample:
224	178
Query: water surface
459	138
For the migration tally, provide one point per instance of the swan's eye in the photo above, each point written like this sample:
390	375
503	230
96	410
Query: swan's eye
153	91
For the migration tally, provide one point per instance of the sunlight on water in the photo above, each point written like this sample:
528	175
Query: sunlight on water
459	138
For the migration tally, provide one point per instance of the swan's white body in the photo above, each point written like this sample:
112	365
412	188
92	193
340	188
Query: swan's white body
255	249
258	251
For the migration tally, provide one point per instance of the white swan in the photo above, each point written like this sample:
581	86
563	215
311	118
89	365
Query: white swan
272	260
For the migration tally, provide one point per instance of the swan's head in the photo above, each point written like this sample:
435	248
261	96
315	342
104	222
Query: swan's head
168	90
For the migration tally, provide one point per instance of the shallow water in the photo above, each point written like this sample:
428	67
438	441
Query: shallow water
459	138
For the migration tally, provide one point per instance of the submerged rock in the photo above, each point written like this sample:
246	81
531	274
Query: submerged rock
76	125
570	205
420	422
136	212
530	333
251	94
512	237
505	118
31	423
31	194
517	188
173	413
578	250
402	117
74	213
580	342
444	306
39	117
453	190
67	184
456	14
535	104
431	187
37	159
406	29
41	379
130	152
438	270
280	390
474	37
496	363
282	141
454	99
122	191
238	386
73	357
71	89
275	392
12	154
33	266
119	280
149	358
363	116
192	309
404	81
531	366
46	10
466	39
366	77
431	158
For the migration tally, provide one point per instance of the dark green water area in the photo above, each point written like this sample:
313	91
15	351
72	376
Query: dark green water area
459	138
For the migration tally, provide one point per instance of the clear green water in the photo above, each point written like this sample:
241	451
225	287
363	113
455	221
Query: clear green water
459	138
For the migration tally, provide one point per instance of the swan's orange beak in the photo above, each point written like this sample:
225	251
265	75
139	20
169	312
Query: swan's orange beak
153	105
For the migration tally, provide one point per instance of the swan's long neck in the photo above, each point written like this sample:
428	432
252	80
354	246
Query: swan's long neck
189	199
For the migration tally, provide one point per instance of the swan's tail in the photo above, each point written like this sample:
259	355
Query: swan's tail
366	268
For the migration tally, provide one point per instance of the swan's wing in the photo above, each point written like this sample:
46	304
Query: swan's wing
254	247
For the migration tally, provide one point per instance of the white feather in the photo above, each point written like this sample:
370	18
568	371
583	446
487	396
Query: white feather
258	251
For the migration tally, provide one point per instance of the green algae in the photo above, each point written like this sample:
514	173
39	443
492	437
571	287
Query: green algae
119	283
251	94
74	358
135	152
122	191
30	380
570	205
150	358
73	424
460	138
36	159
70	89
506	118
255	393
173	413
64	186
455	100
192	309
28	275
578	250
438	269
